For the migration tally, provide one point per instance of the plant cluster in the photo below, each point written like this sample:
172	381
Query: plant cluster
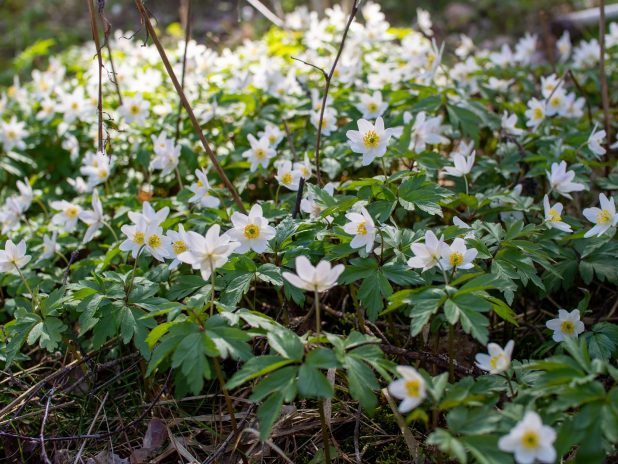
452	247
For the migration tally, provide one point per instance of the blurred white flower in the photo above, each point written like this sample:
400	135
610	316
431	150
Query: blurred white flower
530	440
201	191
497	360
427	255
260	152
13	257
208	252
251	231
67	215
411	388
561	180
566	325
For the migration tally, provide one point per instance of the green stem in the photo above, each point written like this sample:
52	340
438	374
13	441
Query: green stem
508	381
213	279
384	170
42	205
466	184
318	321
451	352
64	258
23	279
111	229
130	287
277	196
179	178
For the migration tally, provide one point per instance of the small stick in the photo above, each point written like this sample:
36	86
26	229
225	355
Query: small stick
94	421
50	394
95	37
196	125
184	70
603	76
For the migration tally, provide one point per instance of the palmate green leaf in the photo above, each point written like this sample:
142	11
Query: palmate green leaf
48	333
236	288
322	358
372	292
282	381
270	273
286	343
417	192
448	445
468	309
257	367
185	285
313	384
424	305
191	355
268	412
230	341
358	268
473	421
362	382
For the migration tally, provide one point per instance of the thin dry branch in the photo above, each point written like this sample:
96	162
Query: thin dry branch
196	125
603	75
97	43
329	78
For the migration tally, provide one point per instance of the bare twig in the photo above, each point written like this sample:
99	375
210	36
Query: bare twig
184	67
322	70
329	78
44	456
270	443
67	271
196	125
272	17
92	424
603	76
114	78
95	37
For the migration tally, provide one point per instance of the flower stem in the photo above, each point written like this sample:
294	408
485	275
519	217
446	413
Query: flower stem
508	381
226	395
277	196
213	278
179	178
466	184
324	431
111	229
130	287
318	321
23	279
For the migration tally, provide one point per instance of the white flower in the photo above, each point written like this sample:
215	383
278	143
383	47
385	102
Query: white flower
134	109
509	124
587	54
369	140
561	180
208	252
312	207
410	388
427	255
457	256
201	189
304	167
50	247
567	325
287	177
97	167
13	257
425	131
595	141
603	218
498	360
372	106
67	216
251	231
167	154
156	243
525	48
260	152
362	227
535	113
93	219
553	216
329	120
463	164
423	20
556	103
549	84
316	279
24	199
135	237
564	46
530	440
273	134
178	244
149	216
12	134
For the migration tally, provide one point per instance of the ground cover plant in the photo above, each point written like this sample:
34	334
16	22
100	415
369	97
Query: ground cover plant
341	242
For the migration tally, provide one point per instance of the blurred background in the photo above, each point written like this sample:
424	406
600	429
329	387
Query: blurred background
29	28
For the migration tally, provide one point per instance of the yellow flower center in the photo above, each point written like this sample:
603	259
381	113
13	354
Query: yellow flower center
554	216
12	90
154	241
456	259
567	327
555	101
604	217
272	139
413	388
361	229
179	247
372	107
530	439
11	134
71	212
199	183
251	231
138	238
537	113
287	178
74	106
494	360
371	139
134	109
103	173
260	153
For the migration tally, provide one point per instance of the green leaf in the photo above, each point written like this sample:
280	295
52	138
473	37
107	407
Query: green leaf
313	384
257	367
267	414
270	273
417	192
286	343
